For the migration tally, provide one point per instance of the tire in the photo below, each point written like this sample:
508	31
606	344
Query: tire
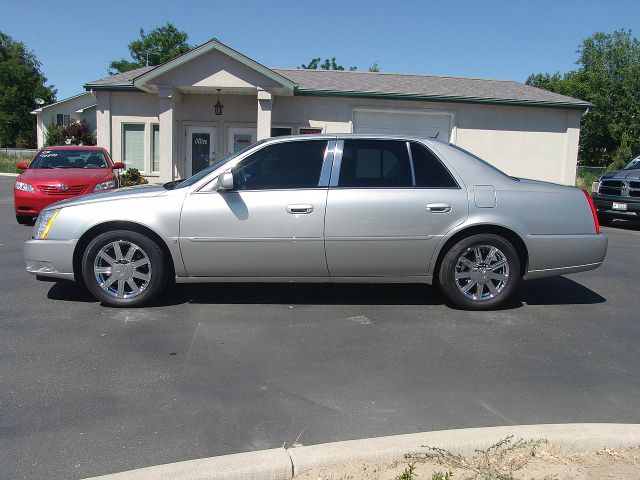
25	219
604	219
141	269
483	282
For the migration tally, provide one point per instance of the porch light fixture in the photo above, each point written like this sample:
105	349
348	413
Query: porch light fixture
218	106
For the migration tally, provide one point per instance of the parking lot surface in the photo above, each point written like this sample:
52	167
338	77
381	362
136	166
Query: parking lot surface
216	369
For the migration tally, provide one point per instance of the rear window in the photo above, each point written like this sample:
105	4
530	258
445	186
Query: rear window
70	159
429	171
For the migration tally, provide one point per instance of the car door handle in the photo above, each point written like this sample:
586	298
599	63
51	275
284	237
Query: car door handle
438	207
300	208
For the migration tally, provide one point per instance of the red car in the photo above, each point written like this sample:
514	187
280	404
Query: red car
58	173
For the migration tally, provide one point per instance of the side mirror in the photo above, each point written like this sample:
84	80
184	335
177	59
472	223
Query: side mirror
118	165
225	181
23	165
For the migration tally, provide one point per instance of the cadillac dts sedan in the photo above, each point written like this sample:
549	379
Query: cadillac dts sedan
343	208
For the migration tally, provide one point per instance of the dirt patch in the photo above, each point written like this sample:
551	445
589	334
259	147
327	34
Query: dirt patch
542	462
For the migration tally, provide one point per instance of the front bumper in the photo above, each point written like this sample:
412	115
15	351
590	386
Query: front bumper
604	204
50	258
30	204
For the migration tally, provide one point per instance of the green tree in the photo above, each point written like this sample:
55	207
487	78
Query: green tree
328	64
21	82
158	46
375	67
608	75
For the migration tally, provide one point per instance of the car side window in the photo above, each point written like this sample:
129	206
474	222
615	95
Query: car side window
429	171
375	164
282	166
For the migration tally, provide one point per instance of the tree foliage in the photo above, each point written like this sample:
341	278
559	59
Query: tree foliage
158	46
608	75
21	82
328	64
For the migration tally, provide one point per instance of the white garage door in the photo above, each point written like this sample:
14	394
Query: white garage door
413	124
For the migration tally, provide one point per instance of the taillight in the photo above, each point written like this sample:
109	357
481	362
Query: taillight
593	210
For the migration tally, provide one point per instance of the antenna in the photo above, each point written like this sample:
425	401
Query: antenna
39	101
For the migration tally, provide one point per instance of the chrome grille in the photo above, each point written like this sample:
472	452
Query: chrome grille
611	187
56	190
620	188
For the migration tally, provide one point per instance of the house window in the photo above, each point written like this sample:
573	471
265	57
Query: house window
133	145
309	131
63	120
280	131
155	147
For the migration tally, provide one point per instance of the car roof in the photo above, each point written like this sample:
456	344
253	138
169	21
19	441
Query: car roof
359	136
74	147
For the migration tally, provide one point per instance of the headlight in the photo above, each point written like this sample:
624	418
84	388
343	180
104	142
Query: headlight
44	222
25	187
595	186
105	185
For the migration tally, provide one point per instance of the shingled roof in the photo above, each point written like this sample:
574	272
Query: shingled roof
345	83
392	85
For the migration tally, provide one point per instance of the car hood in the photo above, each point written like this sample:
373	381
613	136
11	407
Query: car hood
140	191
69	176
630	174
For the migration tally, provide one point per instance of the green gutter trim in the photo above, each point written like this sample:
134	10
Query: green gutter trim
441	98
112	88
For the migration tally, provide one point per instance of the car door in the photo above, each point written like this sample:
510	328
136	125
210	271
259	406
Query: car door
389	204
271	224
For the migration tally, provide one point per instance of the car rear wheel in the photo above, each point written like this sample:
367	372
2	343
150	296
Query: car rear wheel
480	272
124	268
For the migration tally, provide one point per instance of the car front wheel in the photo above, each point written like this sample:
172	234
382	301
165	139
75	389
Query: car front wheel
124	268
480	272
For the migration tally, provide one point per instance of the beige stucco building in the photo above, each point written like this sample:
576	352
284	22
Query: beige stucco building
172	120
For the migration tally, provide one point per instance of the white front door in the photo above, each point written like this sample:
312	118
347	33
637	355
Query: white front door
239	138
201	149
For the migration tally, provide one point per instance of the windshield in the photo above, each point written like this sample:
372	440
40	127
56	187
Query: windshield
203	173
633	164
69	159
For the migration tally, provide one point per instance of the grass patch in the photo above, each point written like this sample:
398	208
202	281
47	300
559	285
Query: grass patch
9	163
586	178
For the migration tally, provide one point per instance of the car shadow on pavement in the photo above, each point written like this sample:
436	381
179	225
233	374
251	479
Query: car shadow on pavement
557	291
304	294
548	291
631	224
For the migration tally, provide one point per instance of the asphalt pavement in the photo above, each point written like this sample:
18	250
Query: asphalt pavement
216	369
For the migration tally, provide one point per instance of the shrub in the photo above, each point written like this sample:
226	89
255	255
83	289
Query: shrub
132	177
79	133
55	135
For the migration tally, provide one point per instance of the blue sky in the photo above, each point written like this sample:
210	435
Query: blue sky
75	41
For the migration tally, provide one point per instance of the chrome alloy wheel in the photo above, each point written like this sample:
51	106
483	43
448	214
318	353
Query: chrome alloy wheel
122	269
481	272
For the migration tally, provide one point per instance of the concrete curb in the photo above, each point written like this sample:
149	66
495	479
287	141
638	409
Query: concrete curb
281	464
8	174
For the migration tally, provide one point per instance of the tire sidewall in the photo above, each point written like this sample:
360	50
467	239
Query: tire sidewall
159	273
447	272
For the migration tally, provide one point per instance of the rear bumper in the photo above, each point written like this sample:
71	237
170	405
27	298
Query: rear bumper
50	258
551	255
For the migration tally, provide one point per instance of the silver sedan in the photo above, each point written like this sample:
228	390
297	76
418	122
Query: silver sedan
342	208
